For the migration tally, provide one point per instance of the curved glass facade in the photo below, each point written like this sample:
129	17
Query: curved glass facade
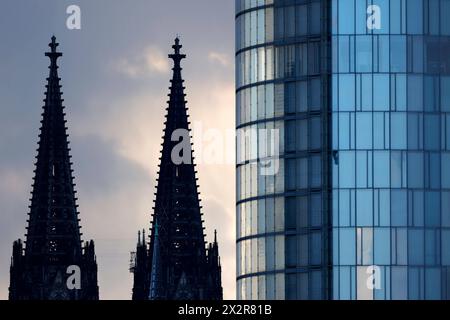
390	140
358	92
281	85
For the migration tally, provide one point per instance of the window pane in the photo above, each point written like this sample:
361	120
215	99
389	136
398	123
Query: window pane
445	169
398	130
398	208
364	130
381	166
398	53
363	53
381	92
415	170
346	92
364	207
347	169
347	246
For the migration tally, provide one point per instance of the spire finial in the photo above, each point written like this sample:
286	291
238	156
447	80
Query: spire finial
139	237
53	54
53	44
177	56
177	45
215	235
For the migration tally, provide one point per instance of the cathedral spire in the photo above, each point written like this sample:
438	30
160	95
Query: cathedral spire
177	252
53	239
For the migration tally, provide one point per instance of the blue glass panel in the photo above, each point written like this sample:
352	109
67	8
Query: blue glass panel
384	7
433	10
445	21
432	202
361	169
383	55
344	208
431	247
381	92
432	283
399	246
398	130
398	53
382	243
347	246
344	54
432	130
445	169
414	283
381	165
384	207
316	249
344	130
415	93
346	92
315	17
344	283
399	280
366	92
346	20
418	205
400	92
415	16
364	207
361	17
431	91
379	132
395	16
415	170
445	209
363	130
346	169
416	246
363	53
445	93
399	208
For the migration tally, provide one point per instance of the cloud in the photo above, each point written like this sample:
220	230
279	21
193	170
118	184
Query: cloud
131	126
149	62
115	119
220	58
13	182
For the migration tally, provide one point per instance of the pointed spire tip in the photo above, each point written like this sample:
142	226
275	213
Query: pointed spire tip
53	54
177	56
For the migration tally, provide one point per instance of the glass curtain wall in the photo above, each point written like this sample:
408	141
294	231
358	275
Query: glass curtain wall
391	143
282	82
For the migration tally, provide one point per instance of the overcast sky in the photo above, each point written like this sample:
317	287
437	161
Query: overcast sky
115	76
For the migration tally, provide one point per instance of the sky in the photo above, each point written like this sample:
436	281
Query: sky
115	77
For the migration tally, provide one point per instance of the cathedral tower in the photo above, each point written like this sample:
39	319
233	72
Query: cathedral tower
177	265
53	263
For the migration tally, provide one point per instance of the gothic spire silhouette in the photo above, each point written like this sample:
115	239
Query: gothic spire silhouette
177	242
53	239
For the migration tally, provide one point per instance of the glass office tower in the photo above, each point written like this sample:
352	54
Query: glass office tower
282	86
359	93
